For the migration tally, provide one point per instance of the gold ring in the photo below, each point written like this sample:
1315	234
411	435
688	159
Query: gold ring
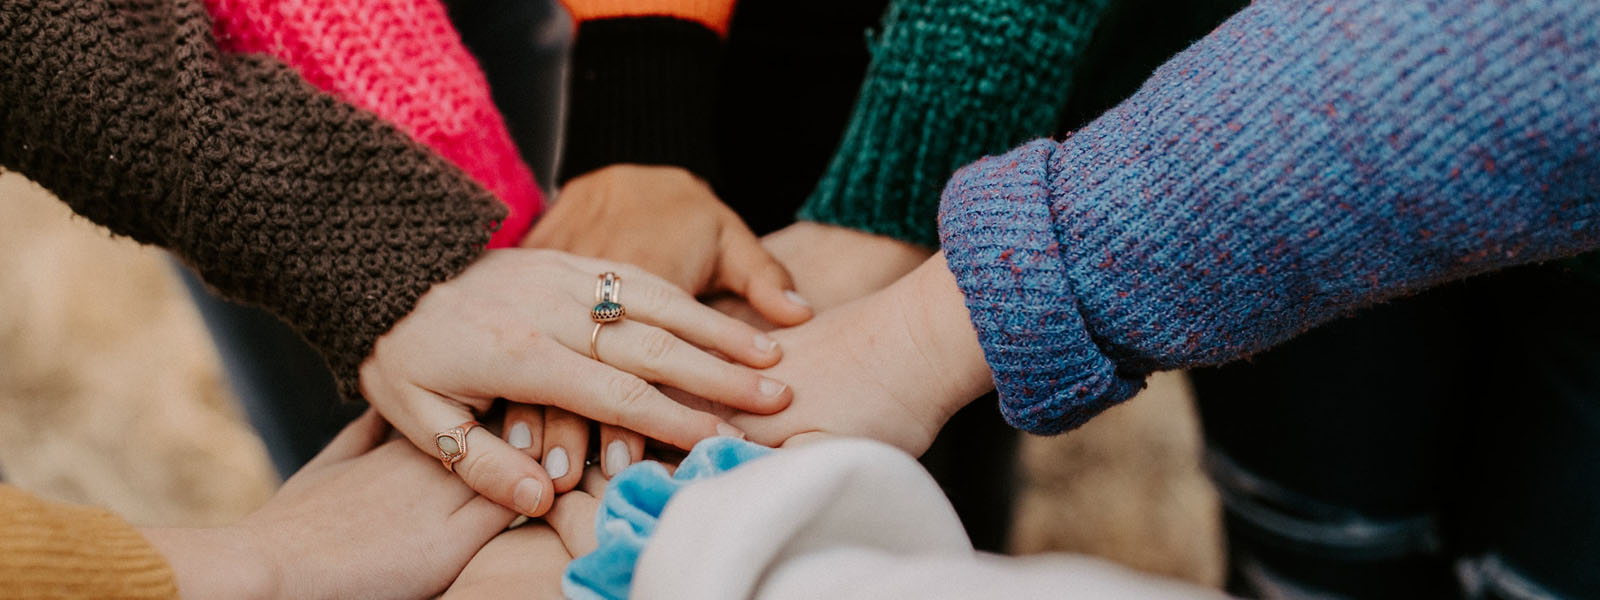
595	337
452	444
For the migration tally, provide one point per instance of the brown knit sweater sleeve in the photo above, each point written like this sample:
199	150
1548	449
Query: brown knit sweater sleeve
50	550
277	194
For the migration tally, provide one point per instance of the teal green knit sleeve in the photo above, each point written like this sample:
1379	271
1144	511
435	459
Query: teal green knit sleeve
950	81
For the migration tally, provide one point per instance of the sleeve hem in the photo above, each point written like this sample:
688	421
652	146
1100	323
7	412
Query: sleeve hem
643	91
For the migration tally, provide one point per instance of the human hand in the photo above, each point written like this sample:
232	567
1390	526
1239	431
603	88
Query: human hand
669	222
529	561
515	325
363	519
832	265
892	366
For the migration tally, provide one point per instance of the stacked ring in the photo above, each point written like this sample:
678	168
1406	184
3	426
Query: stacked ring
607	308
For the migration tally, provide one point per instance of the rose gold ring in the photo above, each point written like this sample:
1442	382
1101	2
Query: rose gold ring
452	444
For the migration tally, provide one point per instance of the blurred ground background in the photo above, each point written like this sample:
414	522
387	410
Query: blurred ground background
111	394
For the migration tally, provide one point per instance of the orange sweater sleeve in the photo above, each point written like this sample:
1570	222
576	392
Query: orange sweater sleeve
51	550
714	14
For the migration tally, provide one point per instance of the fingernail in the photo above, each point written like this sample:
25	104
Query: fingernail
527	495
765	343
795	298
771	387
555	462
616	457
520	437
726	430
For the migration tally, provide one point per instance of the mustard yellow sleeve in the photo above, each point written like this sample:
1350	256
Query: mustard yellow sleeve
58	551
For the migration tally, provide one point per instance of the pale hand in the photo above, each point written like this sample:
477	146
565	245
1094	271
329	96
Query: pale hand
364	519
892	366
515	325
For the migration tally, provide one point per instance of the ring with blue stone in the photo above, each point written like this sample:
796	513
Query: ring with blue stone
607	289
606	312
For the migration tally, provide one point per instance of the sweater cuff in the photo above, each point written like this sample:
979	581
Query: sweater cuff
1000	243
643	91
50	550
949	82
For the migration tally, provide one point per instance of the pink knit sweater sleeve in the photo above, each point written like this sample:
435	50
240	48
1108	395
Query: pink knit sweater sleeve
402	60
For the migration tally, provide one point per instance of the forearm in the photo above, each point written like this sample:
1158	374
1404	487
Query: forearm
949	82
277	194
1302	161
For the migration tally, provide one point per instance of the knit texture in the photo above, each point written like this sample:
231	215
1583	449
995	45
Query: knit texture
643	91
950	81
1305	159
277	194
50	550
402	60
712	14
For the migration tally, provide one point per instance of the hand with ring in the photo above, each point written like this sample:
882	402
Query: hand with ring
521	325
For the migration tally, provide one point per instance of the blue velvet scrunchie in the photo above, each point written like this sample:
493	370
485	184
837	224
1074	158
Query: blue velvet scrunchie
630	509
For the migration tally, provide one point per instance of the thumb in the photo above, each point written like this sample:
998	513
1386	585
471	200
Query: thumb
747	269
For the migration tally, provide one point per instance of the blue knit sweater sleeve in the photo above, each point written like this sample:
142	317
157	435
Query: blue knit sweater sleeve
1305	159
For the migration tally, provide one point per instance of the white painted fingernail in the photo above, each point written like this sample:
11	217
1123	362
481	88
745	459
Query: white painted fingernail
795	298
771	387
765	343
555	462
726	430
520	437
616	457
527	495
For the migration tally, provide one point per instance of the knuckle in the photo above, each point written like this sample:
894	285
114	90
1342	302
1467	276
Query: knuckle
489	473
658	296
630	394
657	347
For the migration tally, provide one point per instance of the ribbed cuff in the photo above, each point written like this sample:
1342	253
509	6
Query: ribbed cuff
1000	243
50	550
950	81
643	91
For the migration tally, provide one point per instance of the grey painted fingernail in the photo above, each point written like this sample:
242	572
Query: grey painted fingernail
556	463
520	437
616	458
726	430
796	298
527	495
770	387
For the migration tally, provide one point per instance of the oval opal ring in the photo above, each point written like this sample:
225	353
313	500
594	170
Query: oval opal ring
607	308
452	444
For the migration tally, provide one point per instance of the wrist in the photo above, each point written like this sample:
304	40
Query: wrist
935	316
217	563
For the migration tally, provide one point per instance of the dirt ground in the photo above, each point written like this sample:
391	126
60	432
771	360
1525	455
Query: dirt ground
111	394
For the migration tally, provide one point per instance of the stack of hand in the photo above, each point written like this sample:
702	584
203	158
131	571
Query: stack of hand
523	327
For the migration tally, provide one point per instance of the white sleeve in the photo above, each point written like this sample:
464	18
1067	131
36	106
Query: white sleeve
850	519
